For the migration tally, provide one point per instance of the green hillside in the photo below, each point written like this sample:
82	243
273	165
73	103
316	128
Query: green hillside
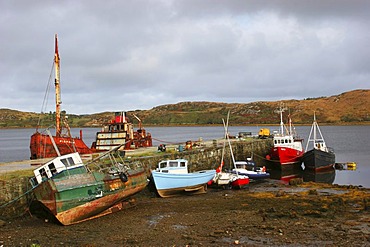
347	108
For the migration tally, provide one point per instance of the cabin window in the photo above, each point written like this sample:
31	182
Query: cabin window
286	141
182	164
43	174
52	168
173	163
68	161
162	165
71	161
275	141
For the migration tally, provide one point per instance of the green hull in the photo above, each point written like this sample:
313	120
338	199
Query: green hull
76	195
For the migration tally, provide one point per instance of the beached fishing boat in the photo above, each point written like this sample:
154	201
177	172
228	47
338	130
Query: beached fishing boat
238	181
287	149
172	178
71	191
223	178
43	144
319	157
120	131
250	169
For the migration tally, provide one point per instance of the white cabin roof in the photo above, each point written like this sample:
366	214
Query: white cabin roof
173	166
57	165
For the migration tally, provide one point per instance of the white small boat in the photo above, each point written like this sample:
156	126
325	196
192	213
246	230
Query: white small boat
239	181
250	169
223	178
172	178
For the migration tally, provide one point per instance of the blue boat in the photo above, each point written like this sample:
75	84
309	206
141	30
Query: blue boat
172	178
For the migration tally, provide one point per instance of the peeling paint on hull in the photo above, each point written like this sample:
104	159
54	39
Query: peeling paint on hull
41	146
83	196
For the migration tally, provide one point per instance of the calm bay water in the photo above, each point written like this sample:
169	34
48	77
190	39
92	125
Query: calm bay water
351	143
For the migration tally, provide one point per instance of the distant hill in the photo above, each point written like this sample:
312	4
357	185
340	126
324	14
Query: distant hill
347	108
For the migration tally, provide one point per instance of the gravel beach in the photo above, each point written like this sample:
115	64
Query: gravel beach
268	213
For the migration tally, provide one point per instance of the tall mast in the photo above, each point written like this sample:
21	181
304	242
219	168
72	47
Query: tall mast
57	88
281	120
315	124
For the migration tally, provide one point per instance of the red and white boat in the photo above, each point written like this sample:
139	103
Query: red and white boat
287	149
238	180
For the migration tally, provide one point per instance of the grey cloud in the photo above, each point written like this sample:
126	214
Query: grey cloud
139	54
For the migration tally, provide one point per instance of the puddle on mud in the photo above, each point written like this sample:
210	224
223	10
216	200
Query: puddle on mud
154	220
179	227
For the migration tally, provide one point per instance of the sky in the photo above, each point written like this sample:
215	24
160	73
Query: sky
139	54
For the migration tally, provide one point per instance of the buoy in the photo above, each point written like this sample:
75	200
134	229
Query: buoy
351	164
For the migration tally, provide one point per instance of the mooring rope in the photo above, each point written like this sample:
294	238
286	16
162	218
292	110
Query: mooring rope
17	198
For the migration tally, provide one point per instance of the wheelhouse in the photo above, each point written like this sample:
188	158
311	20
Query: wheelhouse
57	165
173	166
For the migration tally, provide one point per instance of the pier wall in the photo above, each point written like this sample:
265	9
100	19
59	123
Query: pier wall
209	156
15	194
15	197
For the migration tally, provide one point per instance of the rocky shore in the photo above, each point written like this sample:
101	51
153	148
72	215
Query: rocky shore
269	213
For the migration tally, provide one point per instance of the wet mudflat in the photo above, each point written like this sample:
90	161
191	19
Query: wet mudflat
266	214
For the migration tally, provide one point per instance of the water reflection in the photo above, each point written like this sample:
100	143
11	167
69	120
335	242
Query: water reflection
289	172
326	176
286	173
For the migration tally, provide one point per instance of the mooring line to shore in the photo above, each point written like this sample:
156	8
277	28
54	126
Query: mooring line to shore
16	199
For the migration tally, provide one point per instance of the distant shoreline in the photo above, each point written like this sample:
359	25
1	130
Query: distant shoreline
367	123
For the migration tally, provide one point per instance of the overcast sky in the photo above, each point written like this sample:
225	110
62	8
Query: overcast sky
128	55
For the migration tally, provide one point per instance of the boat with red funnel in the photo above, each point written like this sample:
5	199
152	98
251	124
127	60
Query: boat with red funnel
121	131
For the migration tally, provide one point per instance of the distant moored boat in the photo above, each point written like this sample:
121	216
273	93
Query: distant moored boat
45	145
320	156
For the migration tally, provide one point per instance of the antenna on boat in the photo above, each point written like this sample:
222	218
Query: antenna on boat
281	110
58	101
138	119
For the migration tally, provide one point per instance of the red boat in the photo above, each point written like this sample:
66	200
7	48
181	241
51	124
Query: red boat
44	145
240	181
287	149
